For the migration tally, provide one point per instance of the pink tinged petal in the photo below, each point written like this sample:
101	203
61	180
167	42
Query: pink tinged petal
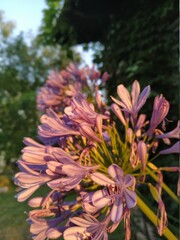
174	149
53	233
100	199
87	132
26	180
87	202
129	135
26	169
66	184
130	197
23	195
142	153
166	141
101	179
99	123
175	133
80	222
143	97
129	180
30	142
120	104
160	110
135	93
72	233
38	227
117	210
55	167
40	236
125	96
73	170
141	121
116	109
116	172
55	184
35	202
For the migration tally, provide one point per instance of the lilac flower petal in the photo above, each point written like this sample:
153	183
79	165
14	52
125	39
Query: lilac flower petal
66	184
101	179
99	123
87	203
143	97
53	233
115	172
26	180
141	121
25	169
73	170
117	210
124	95
130	197
55	184
121	104
160	110
175	133
23	195
72	233
129	180
142	153
37	228
40	236
116	109
87	132
35	202
30	142
100	199
55	167
80	221
135	93
174	149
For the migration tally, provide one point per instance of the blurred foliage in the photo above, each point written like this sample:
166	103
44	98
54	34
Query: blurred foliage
145	47
24	67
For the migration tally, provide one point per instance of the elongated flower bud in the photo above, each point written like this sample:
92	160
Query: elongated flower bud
142	153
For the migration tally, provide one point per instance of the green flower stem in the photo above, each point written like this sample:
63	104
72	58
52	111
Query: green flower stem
152	217
164	186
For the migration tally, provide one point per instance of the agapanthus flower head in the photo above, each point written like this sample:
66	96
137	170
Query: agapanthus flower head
92	174
134	102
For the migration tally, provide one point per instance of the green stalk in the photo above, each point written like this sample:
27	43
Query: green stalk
152	217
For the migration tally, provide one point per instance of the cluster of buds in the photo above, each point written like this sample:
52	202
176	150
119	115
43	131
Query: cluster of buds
91	175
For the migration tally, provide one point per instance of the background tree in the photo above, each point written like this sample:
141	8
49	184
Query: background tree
23	69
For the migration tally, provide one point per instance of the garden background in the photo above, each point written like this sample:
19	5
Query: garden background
129	39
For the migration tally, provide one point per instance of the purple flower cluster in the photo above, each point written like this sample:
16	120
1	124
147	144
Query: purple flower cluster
89	174
61	86
140	136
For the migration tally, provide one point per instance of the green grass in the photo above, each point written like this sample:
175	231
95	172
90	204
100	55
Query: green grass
13	225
